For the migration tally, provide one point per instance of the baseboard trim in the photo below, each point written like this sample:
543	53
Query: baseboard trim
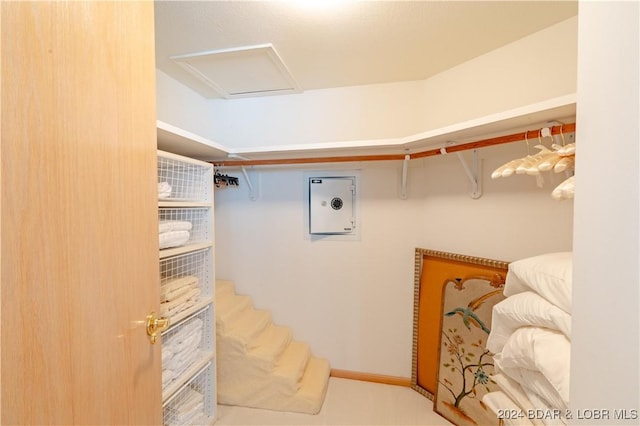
368	377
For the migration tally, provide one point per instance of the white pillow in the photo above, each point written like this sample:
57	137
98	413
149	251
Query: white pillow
521	310
539	350
499	402
535	386
514	391
549	275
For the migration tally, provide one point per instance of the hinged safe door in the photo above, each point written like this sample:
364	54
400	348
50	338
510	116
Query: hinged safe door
331	205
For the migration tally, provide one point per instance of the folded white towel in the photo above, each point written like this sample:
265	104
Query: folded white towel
179	304
179	364
176	293
170	285
187	330
173	239
174	225
190	344
164	190
175	343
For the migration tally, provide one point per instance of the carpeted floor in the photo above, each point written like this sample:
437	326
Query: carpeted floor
348	402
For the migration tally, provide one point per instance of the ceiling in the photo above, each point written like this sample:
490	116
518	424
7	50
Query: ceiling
328	44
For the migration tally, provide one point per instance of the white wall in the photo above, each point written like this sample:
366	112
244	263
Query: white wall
353	300
605	336
536	68
180	106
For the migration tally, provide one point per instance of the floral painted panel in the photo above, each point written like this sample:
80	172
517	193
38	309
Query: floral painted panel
465	366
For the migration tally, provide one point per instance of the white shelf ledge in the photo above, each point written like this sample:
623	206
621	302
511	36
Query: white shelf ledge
517	119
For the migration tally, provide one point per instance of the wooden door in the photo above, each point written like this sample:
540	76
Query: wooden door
79	250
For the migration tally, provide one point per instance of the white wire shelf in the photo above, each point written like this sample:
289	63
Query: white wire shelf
169	203
184	179
185	347
194	402
174	251
201	362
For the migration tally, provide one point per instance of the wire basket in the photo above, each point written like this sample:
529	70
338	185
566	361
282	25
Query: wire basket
195	402
197	264
183	180
199	219
185	344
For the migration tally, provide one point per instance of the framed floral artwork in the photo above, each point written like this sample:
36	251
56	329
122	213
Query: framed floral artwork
453	298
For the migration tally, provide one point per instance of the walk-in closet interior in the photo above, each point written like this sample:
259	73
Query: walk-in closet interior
217	204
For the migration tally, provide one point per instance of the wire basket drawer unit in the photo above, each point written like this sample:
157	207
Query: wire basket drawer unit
183	226
184	179
186	347
185	283
195	402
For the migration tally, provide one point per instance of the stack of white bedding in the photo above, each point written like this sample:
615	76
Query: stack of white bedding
178	294
530	337
174	233
180	350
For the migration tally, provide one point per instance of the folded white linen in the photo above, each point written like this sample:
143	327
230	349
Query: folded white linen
180	363
502	405
176	342
193	326
181	303
514	391
164	190
535	386
173	238
174	225
173	284
538	350
544	407
521	310
549	275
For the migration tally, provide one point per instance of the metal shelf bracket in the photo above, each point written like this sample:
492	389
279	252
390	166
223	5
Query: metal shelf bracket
253	192
403	183
473	174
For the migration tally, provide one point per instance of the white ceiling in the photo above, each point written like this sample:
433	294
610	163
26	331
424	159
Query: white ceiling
328	43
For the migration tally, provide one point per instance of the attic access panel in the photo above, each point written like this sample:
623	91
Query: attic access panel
242	71
331	205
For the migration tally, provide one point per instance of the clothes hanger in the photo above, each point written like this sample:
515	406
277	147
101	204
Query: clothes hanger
565	190
220	180
510	167
550	161
567	154
530	165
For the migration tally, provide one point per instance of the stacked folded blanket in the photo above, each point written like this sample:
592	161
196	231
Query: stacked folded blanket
164	190
180	350
178	294
174	233
531	339
190	411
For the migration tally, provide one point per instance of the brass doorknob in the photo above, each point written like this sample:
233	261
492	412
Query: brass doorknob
156	325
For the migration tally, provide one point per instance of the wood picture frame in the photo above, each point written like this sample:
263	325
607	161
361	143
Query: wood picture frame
432	270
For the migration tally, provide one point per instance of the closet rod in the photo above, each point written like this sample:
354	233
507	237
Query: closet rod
516	137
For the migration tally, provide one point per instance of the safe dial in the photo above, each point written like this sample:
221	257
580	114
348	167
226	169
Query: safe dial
336	203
